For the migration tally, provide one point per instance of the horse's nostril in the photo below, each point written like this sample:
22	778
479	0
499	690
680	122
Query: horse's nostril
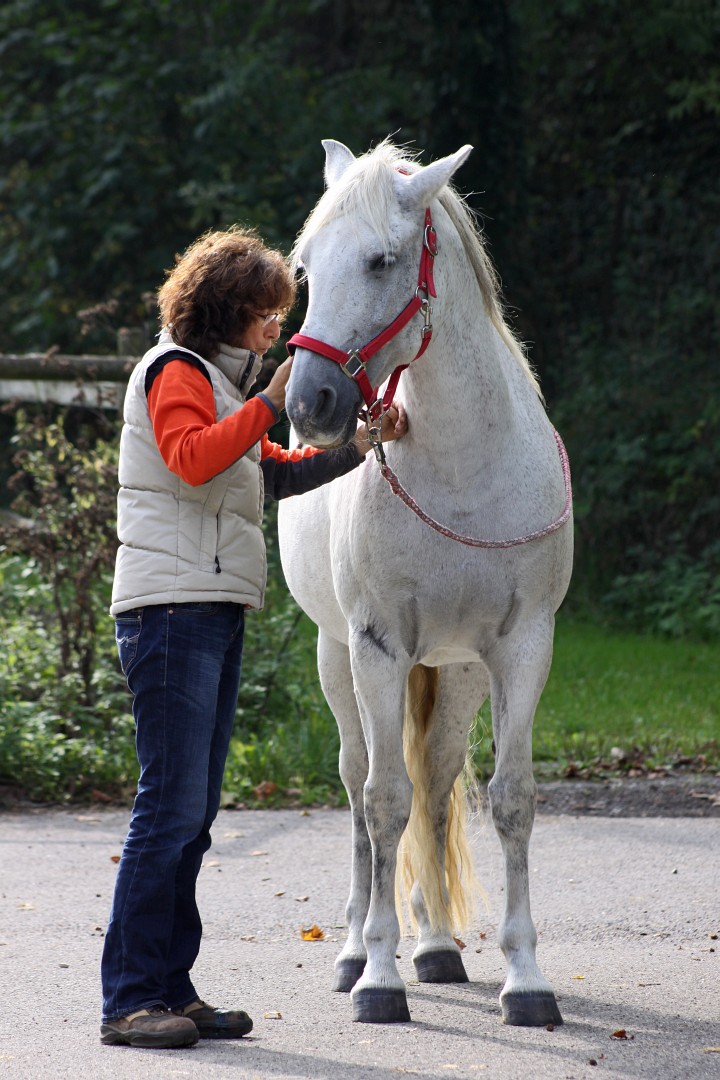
324	405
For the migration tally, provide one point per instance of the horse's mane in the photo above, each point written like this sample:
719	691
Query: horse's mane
366	189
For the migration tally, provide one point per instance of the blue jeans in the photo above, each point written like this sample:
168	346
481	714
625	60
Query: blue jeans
182	663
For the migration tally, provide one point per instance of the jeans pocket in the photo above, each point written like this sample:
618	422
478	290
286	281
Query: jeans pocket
197	607
127	634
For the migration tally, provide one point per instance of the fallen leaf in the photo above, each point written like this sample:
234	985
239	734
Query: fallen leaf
115	858
313	933
578	976
233	835
460	944
482	936
280	893
302	899
248	937
87	818
272	1016
711	1049
621	1033
264	789
256	853
26	906
212	862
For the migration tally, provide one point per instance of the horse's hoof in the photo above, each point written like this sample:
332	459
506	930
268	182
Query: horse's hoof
347	973
440	966
375	1006
531	1009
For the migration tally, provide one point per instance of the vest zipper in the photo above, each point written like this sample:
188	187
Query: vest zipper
217	565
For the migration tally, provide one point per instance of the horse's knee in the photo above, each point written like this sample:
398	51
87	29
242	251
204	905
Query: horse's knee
387	806
512	803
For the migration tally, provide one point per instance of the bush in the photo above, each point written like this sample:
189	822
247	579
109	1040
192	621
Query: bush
66	729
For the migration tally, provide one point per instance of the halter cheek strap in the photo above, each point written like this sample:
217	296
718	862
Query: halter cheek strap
354	362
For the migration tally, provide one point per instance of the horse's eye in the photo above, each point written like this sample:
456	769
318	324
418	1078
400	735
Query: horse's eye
380	262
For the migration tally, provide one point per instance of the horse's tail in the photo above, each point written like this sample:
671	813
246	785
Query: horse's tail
449	895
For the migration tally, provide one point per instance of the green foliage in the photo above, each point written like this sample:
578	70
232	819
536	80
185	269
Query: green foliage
131	128
622	305
53	744
66	496
66	728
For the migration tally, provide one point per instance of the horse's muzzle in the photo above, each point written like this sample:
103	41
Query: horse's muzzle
321	402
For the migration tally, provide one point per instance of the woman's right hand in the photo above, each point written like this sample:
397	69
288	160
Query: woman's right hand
275	389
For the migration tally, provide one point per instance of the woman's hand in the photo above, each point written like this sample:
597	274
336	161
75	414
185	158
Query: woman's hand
275	389
394	426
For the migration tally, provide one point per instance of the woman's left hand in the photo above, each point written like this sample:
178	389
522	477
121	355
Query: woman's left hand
394	426
394	422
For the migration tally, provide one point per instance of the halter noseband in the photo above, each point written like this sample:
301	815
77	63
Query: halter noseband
354	362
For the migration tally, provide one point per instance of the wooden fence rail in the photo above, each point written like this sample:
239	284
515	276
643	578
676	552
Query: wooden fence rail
64	379
56	366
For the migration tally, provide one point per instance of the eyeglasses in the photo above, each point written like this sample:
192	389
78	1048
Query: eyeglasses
272	316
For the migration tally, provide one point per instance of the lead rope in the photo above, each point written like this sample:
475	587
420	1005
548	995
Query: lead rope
471	541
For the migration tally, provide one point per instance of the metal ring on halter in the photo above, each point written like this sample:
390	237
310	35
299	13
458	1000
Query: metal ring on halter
433	250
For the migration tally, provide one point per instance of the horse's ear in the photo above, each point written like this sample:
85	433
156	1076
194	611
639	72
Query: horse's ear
421	186
337	159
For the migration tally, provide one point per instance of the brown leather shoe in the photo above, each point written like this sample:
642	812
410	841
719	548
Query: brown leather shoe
214	1023
156	1027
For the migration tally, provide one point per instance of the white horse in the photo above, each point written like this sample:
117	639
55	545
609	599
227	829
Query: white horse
417	620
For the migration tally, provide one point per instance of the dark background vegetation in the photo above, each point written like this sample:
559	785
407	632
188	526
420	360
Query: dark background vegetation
128	128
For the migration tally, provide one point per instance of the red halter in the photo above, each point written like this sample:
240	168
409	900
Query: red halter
354	362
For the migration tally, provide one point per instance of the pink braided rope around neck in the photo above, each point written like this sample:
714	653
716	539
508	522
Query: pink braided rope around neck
470	541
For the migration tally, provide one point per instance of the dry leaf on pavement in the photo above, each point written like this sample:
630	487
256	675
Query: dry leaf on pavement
313	933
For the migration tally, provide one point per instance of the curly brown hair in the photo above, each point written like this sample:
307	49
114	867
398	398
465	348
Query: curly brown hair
219	285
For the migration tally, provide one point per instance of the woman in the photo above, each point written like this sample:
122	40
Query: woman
194	462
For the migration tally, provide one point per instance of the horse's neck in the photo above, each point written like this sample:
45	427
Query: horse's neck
461	393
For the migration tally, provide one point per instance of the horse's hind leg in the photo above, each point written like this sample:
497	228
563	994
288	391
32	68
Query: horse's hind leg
337	683
436	850
519	667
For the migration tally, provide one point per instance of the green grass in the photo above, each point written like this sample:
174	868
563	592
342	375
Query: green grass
624	702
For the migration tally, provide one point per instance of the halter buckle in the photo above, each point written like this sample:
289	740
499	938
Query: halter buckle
425	309
346	365
375	439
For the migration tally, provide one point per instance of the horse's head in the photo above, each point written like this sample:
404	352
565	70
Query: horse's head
360	250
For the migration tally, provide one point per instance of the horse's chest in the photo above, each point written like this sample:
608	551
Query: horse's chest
441	606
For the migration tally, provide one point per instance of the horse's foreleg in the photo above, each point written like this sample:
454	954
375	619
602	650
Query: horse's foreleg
379	995
337	683
519	670
440	899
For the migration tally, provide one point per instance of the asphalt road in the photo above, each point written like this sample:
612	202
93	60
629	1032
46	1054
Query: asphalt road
627	909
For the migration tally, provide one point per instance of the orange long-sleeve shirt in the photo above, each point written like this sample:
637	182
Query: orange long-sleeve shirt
193	443
196	446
